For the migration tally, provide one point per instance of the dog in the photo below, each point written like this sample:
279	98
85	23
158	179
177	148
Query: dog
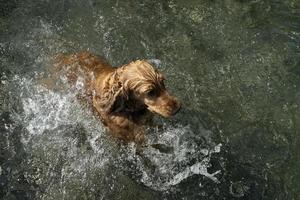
126	97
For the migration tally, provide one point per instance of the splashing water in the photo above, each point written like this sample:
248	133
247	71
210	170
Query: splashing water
60	133
60	128
187	156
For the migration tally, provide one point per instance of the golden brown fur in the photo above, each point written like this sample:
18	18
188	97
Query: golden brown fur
124	97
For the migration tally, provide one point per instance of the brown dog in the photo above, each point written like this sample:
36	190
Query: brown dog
122	96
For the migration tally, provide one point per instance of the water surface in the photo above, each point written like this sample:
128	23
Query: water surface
233	63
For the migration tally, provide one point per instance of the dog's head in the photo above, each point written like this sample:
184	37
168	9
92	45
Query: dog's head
146	86
142	86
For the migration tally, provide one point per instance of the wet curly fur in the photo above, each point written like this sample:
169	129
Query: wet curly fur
125	97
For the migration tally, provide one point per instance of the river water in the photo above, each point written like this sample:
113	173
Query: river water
233	63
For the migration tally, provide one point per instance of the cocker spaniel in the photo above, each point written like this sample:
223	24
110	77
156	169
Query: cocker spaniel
124	97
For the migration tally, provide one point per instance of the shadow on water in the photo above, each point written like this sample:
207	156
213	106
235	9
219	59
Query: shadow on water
233	63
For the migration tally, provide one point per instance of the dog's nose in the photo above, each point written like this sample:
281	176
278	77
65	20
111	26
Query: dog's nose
178	107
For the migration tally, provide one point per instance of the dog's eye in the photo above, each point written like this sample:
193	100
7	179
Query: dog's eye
151	93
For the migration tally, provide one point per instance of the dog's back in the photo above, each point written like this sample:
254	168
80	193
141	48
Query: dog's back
85	66
83	62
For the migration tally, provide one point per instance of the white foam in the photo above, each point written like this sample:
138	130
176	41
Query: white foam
47	116
198	168
172	168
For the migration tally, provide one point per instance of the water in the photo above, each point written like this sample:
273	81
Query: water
234	64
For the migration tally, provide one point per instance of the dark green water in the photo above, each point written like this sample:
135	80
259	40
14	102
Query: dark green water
235	64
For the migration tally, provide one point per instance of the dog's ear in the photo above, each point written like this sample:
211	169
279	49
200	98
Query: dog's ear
112	98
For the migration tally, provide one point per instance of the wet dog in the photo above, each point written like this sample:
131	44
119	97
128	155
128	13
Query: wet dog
124	97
